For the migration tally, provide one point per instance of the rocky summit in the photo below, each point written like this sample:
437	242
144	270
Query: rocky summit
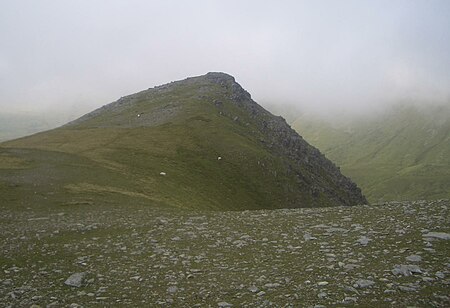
197	143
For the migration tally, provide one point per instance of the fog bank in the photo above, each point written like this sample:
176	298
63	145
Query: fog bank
70	57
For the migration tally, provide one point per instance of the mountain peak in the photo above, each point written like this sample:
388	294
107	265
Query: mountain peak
219	77
216	147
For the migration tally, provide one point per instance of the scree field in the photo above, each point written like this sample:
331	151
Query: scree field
394	255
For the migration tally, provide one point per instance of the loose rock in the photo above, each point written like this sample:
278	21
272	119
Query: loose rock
76	280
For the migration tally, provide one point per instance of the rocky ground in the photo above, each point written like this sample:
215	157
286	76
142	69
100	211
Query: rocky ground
397	254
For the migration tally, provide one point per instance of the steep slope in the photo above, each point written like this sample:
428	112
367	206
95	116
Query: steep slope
217	148
402	154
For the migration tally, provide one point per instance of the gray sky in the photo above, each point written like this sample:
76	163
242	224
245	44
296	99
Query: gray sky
73	56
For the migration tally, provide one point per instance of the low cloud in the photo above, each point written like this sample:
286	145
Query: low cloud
323	56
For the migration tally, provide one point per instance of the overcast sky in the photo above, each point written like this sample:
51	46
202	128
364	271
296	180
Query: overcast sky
328	55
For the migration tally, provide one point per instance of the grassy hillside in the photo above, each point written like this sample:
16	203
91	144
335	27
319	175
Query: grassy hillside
117	153
402	154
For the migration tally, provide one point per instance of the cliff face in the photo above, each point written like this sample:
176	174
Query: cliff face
280	138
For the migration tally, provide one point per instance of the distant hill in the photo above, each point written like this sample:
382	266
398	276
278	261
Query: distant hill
18	124
401	154
197	143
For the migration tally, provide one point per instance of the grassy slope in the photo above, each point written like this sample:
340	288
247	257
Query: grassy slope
92	161
404	154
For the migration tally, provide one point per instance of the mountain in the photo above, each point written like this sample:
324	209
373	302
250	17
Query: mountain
401	154
197	143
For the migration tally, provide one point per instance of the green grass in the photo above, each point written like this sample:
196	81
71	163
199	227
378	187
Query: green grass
403	154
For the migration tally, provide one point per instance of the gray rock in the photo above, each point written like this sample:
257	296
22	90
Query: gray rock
440	275
442	297
363	283
414	258
406	270
76	280
350	267
308	237
349	300
172	289
351	289
224	304
438	235
272	285
363	240
407	289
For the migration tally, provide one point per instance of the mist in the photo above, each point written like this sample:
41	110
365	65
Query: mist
69	57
